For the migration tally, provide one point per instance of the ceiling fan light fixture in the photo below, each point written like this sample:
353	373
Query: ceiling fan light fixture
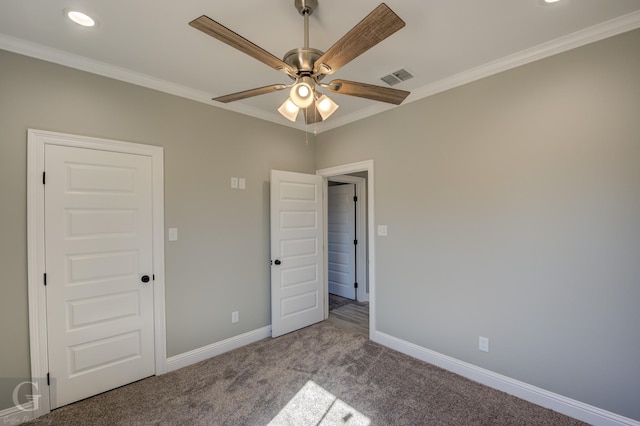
302	93
326	106
308	66
289	110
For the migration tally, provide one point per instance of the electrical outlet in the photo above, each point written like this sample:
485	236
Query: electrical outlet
234	183
483	344
235	316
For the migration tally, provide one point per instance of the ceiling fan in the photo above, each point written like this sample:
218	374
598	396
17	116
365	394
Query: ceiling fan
308	66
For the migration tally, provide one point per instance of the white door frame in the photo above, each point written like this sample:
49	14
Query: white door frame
363	166
361	233
36	143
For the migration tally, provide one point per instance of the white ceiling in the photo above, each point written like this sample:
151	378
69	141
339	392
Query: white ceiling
444	44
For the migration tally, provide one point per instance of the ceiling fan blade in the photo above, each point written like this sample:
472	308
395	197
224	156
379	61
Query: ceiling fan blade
225	35
368	91
375	27
311	114
250	93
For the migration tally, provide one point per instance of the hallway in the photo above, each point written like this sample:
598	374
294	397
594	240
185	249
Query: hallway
349	314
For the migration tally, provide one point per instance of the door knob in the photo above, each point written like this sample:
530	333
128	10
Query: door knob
277	262
145	278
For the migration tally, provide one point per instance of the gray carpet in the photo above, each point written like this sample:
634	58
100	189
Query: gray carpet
319	375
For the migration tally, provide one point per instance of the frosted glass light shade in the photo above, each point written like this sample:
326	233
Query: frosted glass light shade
289	110
301	94
326	106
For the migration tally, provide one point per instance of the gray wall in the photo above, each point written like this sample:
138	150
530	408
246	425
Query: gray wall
513	207
220	262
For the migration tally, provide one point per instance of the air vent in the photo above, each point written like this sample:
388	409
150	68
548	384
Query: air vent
396	77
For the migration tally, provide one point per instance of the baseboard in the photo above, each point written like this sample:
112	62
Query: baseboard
533	394
200	354
14	415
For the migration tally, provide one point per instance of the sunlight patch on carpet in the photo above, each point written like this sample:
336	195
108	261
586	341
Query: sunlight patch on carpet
313	405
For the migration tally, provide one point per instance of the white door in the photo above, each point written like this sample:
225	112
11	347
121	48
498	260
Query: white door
98	244
341	237
297	284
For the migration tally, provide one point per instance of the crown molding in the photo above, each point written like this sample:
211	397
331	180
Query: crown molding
592	34
82	63
574	40
589	35
71	60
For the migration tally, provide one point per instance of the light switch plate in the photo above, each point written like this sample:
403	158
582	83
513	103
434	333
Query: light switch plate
234	183
173	234
242	183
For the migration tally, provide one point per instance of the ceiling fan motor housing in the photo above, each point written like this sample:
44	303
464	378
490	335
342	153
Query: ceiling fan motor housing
302	59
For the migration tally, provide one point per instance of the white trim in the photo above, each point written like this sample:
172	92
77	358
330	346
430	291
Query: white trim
577	39
37	140
561	404
56	56
536	53
592	34
35	266
361	233
188	358
15	416
362	166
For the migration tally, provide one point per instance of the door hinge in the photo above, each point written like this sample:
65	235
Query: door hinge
48	380
43	177
355	242
45	279
153	277
355	285
355	198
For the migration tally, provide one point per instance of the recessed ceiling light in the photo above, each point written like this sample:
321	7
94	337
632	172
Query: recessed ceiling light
551	1
80	18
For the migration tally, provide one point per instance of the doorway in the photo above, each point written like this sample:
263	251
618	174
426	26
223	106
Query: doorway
347	236
101	171
346	245
362	171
